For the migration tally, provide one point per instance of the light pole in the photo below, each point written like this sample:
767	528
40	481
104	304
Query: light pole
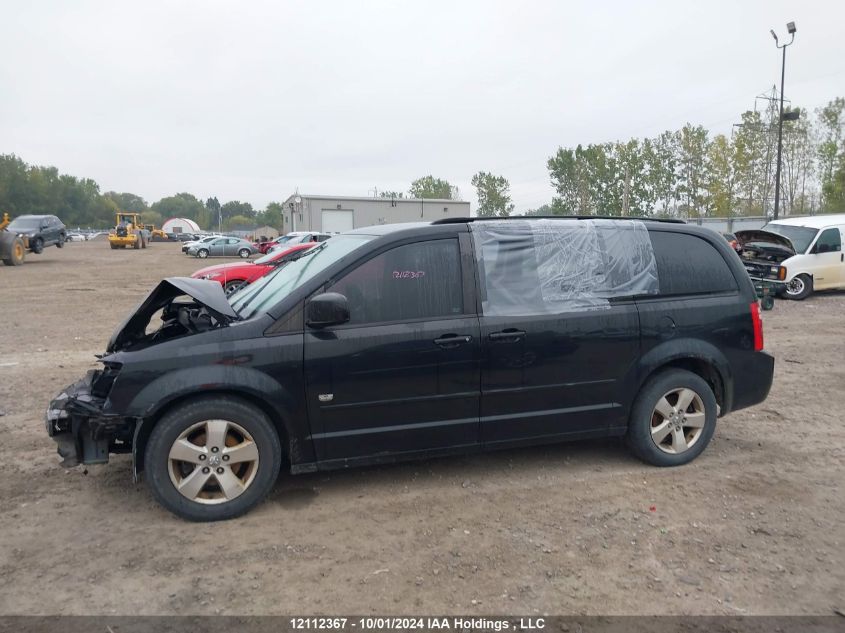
790	27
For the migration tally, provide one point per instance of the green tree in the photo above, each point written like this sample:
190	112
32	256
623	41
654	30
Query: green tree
152	217
182	205
238	221
235	207
692	146
494	198
831	152
431	187
719	178
127	201
273	215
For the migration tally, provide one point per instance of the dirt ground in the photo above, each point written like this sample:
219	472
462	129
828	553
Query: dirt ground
754	526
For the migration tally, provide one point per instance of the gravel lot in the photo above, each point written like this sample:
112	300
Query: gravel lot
754	526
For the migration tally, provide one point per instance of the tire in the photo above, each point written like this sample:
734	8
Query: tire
799	288
244	253
648	437
202	253
231	286
13	249
61	242
113	246
37	246
188	426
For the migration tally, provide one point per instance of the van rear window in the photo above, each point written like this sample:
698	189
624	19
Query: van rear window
688	265
556	266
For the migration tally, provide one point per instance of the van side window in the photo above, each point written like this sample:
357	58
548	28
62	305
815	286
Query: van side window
557	266
410	282
687	264
829	242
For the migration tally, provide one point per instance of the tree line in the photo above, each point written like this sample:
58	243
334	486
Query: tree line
688	173
78	202
684	173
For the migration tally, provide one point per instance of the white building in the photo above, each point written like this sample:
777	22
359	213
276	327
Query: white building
180	225
336	214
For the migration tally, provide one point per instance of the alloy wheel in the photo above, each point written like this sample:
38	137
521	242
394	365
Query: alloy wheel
213	461
677	421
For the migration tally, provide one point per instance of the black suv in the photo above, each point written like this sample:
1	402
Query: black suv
413	340
41	230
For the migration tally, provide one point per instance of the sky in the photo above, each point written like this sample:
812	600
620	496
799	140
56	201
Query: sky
252	100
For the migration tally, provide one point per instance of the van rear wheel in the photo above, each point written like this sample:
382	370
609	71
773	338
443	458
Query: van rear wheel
673	418
212	459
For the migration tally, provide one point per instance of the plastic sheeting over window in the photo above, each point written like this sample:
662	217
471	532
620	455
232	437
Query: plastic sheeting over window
554	266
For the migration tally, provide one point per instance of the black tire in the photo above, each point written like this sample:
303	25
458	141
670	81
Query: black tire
644	416
37	246
175	422
12	248
231	286
61	242
799	288
113	246
244	253
202	253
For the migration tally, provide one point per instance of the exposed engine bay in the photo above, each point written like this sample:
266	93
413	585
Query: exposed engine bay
762	252
187	306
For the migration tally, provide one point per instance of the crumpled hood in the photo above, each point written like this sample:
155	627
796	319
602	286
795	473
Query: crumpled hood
204	291
767	237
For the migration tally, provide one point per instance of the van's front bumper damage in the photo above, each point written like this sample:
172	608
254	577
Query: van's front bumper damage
84	433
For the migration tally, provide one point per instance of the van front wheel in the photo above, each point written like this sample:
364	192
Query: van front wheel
673	418
800	287
212	459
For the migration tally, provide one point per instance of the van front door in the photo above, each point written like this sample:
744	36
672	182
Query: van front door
402	375
828	260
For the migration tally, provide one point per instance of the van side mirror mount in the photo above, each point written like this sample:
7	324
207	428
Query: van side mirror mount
329	308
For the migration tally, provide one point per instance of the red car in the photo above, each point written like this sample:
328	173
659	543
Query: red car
234	275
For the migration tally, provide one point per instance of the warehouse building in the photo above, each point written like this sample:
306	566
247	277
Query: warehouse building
336	214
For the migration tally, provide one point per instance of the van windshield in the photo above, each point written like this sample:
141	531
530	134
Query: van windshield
262	295
800	236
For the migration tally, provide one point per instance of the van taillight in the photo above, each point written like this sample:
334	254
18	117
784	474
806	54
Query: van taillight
757	323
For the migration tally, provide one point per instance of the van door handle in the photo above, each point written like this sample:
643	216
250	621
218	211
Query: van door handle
449	341
507	336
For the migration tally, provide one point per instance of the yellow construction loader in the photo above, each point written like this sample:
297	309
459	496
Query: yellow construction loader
156	235
128	231
12	246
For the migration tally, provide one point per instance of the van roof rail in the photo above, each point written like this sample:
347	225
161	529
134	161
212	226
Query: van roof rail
558	217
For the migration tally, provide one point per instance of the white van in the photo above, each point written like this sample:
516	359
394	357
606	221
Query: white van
804	253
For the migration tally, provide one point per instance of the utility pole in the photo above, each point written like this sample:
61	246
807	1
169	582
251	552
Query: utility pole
790	27
626	192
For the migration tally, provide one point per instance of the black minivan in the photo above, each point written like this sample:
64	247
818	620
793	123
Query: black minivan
412	340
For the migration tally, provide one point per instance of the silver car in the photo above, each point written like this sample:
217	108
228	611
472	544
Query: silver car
223	247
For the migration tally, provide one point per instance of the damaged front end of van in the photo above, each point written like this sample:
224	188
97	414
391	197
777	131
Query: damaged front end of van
86	420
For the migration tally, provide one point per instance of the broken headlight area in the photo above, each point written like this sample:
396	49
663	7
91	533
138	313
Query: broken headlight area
76	421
